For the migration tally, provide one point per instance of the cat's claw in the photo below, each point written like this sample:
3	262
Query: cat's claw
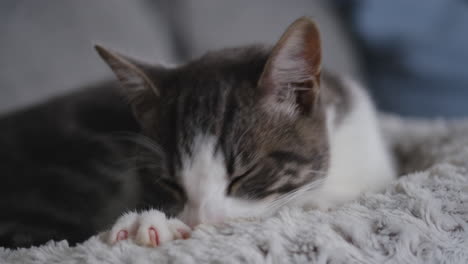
150	228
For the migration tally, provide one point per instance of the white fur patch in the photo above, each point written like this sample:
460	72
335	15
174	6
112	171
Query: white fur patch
359	158
205	179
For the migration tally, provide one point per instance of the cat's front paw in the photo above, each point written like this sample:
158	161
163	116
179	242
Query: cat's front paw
149	228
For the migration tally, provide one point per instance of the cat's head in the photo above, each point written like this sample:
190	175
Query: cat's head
238	130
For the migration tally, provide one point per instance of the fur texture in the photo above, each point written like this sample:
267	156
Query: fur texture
421	218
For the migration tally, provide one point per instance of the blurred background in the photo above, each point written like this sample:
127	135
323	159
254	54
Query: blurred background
412	55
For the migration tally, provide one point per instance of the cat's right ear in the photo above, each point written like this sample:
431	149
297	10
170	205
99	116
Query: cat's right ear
140	90
290	81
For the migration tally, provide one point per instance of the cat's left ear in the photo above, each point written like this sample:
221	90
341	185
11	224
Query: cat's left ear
138	86
290	81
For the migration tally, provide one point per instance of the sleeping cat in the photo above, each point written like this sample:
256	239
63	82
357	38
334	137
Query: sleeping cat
236	133
245	131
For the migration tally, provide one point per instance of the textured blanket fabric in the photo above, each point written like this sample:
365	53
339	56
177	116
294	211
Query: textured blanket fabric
421	218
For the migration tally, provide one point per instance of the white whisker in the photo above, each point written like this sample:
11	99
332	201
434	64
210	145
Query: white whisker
293	195
141	141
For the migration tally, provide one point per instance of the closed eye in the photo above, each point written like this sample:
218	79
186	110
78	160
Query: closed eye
234	184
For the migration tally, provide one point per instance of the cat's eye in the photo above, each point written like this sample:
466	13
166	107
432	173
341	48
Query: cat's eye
237	181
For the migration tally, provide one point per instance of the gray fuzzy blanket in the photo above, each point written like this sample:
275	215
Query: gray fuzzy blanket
421	218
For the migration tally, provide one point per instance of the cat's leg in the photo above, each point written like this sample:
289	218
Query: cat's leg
149	228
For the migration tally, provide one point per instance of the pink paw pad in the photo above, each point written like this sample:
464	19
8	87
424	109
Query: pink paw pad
184	234
154	236
121	235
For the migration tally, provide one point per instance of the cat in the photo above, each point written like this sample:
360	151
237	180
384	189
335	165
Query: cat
239	132
245	131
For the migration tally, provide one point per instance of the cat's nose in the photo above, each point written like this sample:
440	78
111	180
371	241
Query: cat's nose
203	214
189	218
200	218
193	224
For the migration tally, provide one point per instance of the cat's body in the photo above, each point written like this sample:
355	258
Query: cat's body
60	168
239	132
